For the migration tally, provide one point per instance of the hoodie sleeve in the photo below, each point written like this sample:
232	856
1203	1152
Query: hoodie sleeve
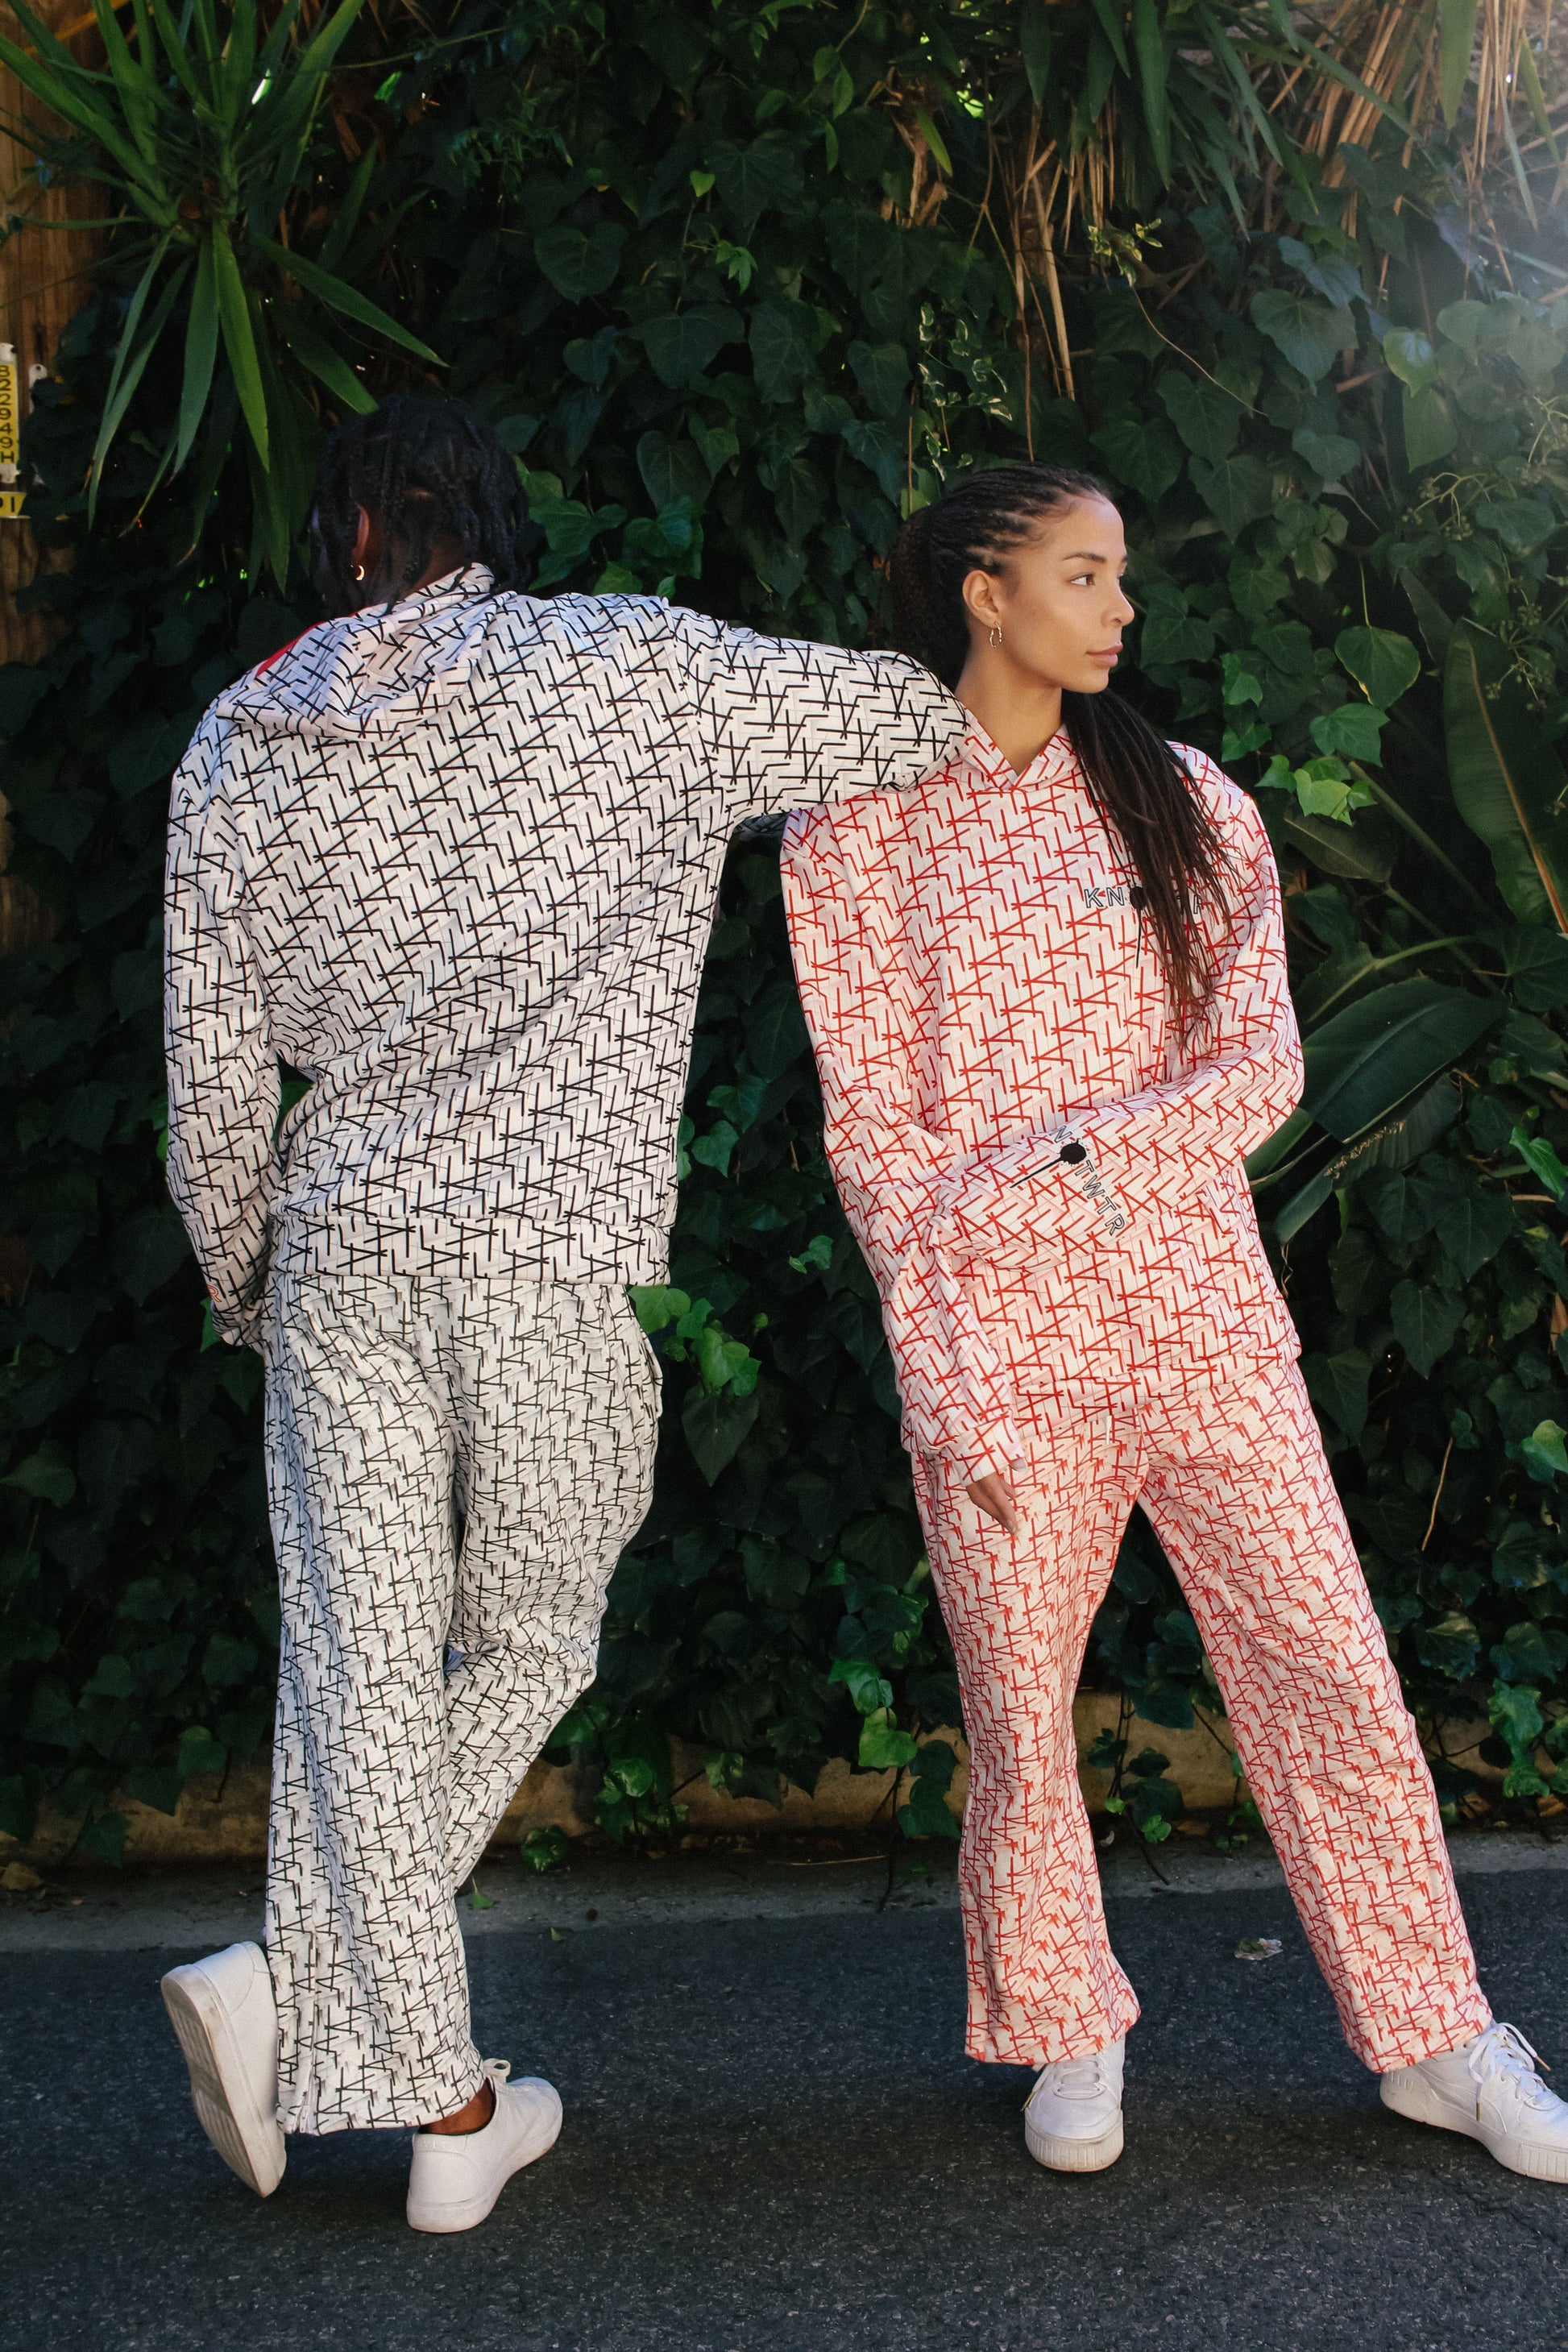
1096	1169
222	1068
792	723
956	1395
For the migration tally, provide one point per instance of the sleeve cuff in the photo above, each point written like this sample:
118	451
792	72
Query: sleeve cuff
977	1454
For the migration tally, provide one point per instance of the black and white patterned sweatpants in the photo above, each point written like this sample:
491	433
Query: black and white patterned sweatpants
454	1466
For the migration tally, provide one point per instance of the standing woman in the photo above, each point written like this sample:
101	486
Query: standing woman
1048	997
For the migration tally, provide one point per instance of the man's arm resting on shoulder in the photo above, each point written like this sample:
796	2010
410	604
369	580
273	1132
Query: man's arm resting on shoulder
791	723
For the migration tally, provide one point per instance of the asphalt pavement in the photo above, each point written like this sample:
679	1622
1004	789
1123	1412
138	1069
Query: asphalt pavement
772	2140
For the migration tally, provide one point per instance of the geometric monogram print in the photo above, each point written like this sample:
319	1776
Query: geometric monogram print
455	859
1046	1178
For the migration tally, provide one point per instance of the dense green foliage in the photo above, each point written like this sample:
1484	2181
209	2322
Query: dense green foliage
697	270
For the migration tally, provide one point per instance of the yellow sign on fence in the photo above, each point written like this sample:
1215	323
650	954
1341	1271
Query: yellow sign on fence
10	436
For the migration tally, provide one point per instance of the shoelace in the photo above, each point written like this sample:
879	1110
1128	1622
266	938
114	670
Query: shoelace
1502	2054
1073	2078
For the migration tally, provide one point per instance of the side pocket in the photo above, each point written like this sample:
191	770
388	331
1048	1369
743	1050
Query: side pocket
643	1352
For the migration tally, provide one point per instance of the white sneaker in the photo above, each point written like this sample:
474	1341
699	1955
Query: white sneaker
1489	2090
1072	2117
455	2176
223	2010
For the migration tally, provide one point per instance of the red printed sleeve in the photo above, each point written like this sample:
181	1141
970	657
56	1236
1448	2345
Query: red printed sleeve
1098	1167
956	1396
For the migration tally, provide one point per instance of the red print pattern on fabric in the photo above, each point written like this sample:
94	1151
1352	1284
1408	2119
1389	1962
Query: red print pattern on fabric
983	991
1046	1179
1234	1481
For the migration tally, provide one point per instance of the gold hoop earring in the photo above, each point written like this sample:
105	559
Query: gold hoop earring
359	570
993	635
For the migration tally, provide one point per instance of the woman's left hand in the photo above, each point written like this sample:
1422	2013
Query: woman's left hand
995	1496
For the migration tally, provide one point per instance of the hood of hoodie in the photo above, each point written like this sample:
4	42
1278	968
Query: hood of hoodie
377	672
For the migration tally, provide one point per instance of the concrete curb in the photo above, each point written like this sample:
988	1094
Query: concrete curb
222	1818
204	1909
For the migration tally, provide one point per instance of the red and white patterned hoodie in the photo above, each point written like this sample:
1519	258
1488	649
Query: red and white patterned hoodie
1043	1175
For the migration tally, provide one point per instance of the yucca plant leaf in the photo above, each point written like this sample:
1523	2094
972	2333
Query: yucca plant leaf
1457	39
347	221
137	87
344	298
1507	780
1149	47
1231	57
292	108
176	52
237	75
240	338
201	350
328	366
131	363
65	97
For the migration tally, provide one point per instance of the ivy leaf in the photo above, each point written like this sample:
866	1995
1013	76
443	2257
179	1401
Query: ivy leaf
580	263
47	1475
767	176
783	338
1329	454
1473	1228
1339	1383
1543	1453
1425	1322
199	1753
883	1746
865	1683
1354	732
151	1247
680	344
1430	432
1236	491
1382	662
672	471
1208	417
882	371
1410	357
716	1427
1141	452
1450	1645
775	1028
1309	334
1529	1653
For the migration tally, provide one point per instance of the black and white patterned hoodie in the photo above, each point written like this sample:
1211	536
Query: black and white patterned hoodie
455	860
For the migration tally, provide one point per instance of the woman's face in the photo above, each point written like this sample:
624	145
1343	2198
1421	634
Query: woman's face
1057	602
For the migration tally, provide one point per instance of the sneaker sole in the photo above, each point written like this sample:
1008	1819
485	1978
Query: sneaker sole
448	2220
1533	2163
248	2140
1075	2155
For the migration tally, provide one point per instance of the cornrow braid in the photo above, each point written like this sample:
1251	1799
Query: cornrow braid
429	472
1141	790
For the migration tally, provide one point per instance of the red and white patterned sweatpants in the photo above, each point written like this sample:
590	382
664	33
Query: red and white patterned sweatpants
1235	1482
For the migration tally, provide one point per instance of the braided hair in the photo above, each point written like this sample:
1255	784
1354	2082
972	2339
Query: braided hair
429	472
1141	791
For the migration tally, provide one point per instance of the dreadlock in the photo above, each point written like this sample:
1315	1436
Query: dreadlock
429	472
1141	791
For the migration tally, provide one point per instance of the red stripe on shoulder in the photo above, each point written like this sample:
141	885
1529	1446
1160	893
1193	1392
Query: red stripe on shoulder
273	659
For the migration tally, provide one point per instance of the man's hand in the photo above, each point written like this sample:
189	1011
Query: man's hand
995	1496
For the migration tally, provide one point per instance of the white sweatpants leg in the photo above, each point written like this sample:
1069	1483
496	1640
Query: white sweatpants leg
422	1670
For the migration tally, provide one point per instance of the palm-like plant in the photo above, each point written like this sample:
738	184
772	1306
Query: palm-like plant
201	130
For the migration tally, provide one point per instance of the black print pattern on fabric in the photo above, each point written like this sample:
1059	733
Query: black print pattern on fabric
455	859
392	1406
